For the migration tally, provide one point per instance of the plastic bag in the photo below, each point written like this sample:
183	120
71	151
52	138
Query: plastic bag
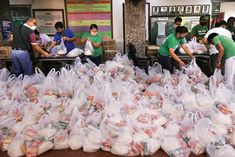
14	149
198	48
190	47
88	50
60	49
61	140
220	149
75	52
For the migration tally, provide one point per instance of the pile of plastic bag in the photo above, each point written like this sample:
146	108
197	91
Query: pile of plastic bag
118	108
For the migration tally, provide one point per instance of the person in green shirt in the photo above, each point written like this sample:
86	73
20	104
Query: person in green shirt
171	29
200	30
226	48
231	26
170	44
96	40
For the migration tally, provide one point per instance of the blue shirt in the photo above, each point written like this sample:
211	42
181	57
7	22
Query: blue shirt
67	33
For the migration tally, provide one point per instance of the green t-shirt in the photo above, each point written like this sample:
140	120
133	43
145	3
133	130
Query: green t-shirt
199	31
171	30
171	42
96	39
227	43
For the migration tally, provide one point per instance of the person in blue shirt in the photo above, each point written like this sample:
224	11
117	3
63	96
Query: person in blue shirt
65	34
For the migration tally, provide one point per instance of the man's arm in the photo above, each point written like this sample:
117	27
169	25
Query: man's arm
175	57
220	48
186	49
38	49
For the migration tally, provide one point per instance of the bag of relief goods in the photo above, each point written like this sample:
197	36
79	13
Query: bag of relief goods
121	145
61	140
4	74
49	88
88	49
95	135
76	136
144	144
75	52
14	148
219	149
172	143
155	73
189	45
195	73
34	144
203	129
89	144
190	135
61	49
6	133
194	47
220	113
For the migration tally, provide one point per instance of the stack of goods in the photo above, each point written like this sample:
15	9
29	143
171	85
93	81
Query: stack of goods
116	107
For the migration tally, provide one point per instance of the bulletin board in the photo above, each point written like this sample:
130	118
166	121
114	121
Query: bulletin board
82	13
47	18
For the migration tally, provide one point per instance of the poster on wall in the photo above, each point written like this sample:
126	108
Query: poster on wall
6	28
46	19
82	13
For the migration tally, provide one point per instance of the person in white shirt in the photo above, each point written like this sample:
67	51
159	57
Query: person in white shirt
221	30
43	40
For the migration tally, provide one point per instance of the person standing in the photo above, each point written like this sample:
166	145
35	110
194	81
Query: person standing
24	41
226	48
63	34
170	45
171	29
200	30
231	26
43	40
96	40
221	30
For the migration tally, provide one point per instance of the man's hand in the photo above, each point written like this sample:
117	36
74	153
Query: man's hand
218	65
65	38
182	64
192	57
46	55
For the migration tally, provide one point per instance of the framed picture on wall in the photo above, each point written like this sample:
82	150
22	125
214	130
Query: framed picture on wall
205	9
189	10
172	10
155	10
163	10
197	9
46	19
180	9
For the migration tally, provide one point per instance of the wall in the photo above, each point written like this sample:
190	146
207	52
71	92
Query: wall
117	11
176	2
118	23
228	8
41	4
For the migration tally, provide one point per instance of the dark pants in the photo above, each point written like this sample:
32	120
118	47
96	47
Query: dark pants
97	60
21	63
213	60
165	62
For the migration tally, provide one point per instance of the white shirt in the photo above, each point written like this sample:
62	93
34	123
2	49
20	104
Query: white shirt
220	31
44	39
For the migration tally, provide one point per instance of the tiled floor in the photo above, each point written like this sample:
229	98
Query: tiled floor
80	153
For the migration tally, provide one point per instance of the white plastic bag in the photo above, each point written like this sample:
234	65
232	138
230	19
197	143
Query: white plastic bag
88	48
219	149
75	52
14	149
61	49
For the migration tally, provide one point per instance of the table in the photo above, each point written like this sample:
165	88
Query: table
46	64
